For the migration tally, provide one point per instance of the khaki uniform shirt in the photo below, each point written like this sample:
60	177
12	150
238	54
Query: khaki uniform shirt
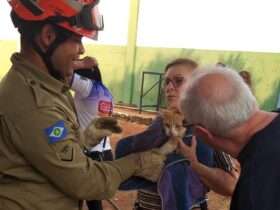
42	165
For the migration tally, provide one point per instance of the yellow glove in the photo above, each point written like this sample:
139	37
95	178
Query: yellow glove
100	128
151	163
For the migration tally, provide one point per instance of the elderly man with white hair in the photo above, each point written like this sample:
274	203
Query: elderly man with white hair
226	115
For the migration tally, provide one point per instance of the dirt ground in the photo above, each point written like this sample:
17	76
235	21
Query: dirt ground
125	200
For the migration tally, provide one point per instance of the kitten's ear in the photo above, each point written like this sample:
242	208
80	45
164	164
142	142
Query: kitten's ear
175	111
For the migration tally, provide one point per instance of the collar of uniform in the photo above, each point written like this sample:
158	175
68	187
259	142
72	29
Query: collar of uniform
35	75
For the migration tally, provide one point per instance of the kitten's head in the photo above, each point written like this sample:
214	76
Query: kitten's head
173	122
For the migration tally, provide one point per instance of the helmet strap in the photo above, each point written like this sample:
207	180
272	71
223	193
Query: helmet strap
28	29
61	36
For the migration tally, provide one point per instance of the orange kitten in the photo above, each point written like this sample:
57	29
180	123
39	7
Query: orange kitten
174	129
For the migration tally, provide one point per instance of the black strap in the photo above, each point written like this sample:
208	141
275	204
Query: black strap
32	7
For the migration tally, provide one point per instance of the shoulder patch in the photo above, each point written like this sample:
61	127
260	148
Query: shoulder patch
56	132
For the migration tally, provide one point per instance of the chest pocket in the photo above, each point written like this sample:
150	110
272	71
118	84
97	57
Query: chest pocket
55	100
42	96
45	97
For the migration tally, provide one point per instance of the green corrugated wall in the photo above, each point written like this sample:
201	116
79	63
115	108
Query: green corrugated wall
264	68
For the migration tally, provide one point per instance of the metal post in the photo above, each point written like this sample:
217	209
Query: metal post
159	92
141	94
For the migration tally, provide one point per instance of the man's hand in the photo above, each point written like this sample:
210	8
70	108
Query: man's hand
151	164
99	128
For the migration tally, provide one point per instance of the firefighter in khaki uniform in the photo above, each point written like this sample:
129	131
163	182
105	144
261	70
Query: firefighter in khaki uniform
42	164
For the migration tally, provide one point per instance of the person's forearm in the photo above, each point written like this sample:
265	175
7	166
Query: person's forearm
216	179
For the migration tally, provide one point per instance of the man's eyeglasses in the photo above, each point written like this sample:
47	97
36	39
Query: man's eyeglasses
176	82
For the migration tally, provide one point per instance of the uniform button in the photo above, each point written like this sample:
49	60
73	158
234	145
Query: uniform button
75	126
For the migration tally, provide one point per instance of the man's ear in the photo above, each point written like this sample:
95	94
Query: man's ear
47	36
215	141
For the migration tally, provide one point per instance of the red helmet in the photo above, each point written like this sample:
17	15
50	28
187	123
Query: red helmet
79	16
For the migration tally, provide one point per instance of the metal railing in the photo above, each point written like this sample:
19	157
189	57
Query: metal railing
156	84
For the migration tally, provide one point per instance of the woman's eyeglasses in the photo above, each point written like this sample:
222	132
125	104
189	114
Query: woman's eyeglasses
176	82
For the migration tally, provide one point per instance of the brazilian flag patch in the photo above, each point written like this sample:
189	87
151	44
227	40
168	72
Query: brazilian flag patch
56	132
